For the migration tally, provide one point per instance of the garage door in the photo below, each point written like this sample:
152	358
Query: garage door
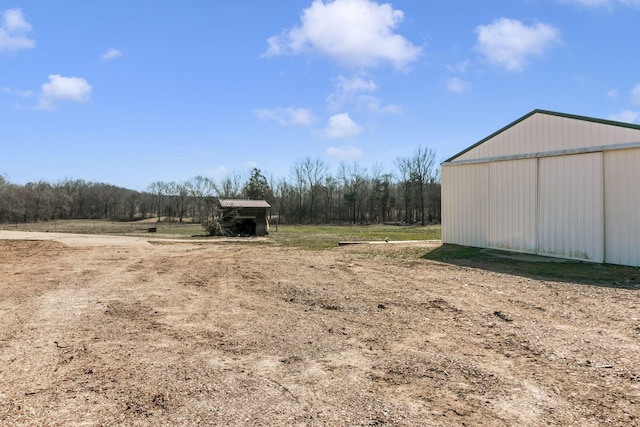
571	207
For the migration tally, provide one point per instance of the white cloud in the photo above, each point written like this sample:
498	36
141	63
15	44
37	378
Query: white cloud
16	92
456	85
59	88
110	54
635	94
14	21
345	153
354	33
510	43
341	126
349	91
13	32
374	105
460	68
626	116
613	93
287	116
355	84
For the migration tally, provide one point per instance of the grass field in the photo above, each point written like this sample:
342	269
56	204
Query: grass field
89	226
328	236
322	237
610	275
307	236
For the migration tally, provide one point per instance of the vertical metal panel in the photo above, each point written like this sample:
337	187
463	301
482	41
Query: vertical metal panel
584	206
571	207
513	208
465	204
622	212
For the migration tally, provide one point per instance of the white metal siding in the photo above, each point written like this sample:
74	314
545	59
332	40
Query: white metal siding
513	207
571	207
622	214
465	204
543	132
582	205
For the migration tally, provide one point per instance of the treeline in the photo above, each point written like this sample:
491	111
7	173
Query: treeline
311	195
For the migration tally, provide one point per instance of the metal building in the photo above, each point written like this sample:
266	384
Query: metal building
550	184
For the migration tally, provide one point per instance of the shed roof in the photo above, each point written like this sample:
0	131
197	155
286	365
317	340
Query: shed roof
243	203
550	113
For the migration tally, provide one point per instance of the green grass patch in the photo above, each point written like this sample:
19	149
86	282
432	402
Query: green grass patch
89	226
448	252
181	230
315	237
318	237
610	275
618	276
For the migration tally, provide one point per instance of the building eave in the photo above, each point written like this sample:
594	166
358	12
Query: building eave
547	112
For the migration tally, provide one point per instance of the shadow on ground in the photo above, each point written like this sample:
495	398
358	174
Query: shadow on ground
539	267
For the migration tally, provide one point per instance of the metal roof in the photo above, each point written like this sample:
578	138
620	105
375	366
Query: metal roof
243	203
551	113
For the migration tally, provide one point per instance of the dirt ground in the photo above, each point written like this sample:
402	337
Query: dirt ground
101	330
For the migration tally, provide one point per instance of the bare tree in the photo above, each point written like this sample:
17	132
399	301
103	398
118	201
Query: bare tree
423	165
283	191
5	203
300	185
309	195
70	197
353	179
202	190
61	201
379	194
416	172
329	192
180	197
313	173
38	200
405	177
435	199
106	199
159	190
231	186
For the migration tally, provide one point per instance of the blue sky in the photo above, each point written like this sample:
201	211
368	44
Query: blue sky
130	93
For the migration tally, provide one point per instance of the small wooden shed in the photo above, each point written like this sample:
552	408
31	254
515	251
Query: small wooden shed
247	217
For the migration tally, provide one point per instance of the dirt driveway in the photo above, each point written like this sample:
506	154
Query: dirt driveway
120	331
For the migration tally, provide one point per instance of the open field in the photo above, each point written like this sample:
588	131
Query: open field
90	226
112	330
308	236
